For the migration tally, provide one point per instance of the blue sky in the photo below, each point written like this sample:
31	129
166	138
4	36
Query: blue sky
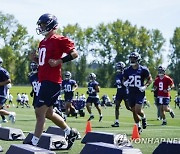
152	14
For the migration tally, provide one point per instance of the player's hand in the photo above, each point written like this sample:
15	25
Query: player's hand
142	89
54	63
31	93
126	83
165	91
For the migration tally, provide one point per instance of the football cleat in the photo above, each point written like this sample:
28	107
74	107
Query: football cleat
12	117
139	130
172	114
164	123
116	124
91	117
144	123
71	138
100	118
4	121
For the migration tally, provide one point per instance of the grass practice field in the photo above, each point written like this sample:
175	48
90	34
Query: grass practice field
151	136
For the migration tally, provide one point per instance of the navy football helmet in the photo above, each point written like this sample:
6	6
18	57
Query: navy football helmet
134	58
68	75
46	23
34	67
161	70
92	76
120	66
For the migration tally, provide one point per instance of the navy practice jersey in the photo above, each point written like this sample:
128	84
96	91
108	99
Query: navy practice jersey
4	75
92	89
68	85
121	89
33	78
136	78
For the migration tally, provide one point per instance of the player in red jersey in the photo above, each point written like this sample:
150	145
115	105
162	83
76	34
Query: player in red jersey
50	60
163	83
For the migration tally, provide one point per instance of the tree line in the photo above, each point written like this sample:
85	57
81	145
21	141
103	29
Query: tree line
99	48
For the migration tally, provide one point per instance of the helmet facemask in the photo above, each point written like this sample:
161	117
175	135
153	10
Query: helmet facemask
92	77
34	67
120	67
67	76
134	58
161	71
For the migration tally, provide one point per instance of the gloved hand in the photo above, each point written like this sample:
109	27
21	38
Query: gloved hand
142	89
31	93
126	83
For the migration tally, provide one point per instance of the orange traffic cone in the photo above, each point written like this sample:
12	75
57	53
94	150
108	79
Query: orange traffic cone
135	133
88	127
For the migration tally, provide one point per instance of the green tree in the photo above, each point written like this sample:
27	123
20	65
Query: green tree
14	43
174	66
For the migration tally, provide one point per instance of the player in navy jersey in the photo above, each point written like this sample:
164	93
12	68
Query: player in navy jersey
137	78
69	86
4	83
33	78
121	92
93	90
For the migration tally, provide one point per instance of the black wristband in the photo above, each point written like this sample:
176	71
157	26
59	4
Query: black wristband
67	58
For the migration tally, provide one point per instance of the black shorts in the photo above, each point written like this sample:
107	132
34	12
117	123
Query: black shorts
68	97
48	93
93	100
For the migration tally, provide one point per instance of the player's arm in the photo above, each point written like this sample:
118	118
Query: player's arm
75	87
97	88
72	55
170	87
5	82
125	81
148	81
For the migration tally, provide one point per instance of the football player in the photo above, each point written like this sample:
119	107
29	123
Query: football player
93	90
33	79
4	81
164	84
121	93
69	86
137	78
50	60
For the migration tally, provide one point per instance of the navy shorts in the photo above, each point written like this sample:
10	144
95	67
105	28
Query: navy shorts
2	100
93	100
134	99
120	97
68	97
163	100
48	93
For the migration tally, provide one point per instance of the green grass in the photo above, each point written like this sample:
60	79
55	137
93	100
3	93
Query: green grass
26	122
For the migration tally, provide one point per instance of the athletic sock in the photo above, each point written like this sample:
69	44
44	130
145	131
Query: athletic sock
138	124
67	130
35	140
144	116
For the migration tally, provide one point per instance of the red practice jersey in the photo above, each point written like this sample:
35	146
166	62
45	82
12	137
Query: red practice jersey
52	48
163	84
